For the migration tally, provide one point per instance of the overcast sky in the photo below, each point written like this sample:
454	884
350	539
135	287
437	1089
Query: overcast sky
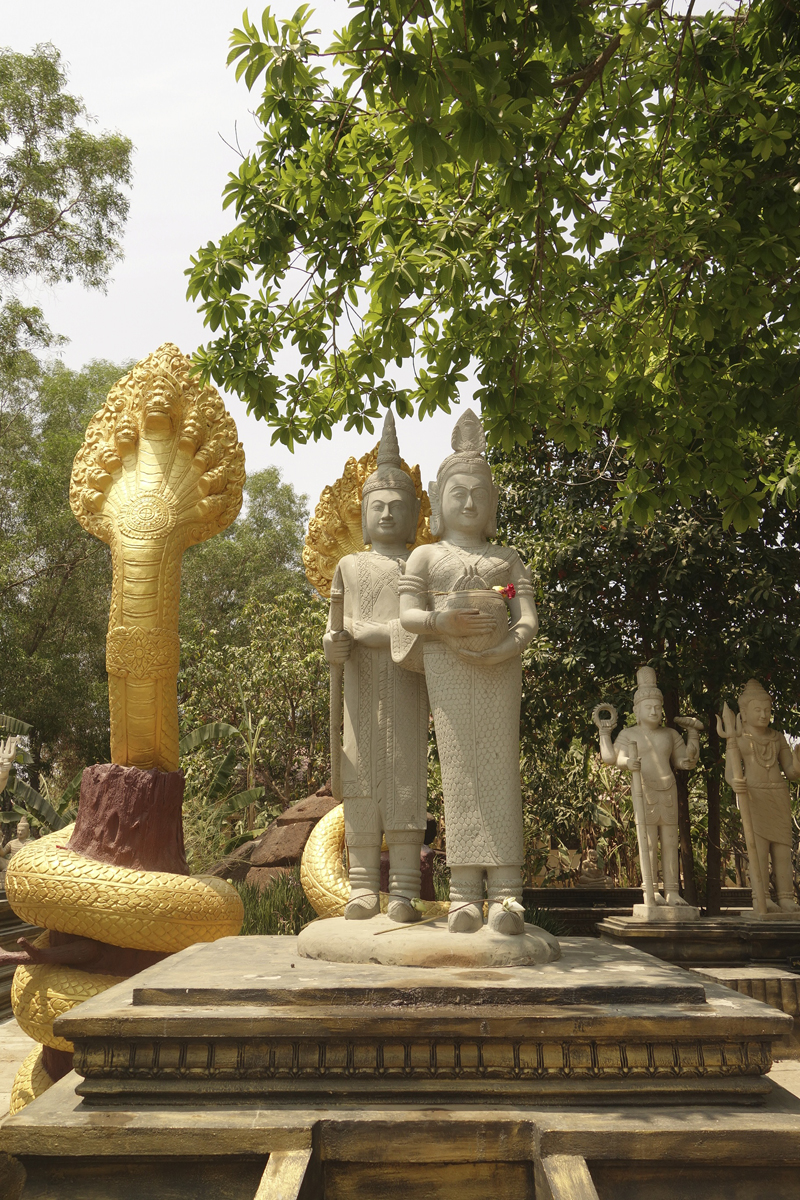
156	72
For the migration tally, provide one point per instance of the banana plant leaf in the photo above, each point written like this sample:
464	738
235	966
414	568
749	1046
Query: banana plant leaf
34	801
214	732
14	727
222	776
242	800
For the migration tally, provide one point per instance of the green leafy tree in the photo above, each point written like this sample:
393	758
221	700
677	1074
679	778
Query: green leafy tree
705	606
269	697
55	579
594	202
62	191
255	559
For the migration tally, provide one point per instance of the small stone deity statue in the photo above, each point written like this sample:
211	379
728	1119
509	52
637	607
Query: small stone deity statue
8	753
458	593
659	750
768	762
16	844
592	874
384	750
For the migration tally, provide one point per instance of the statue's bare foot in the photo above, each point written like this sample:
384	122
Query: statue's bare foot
402	910
465	918
772	906
788	904
504	920
659	899
361	906
675	900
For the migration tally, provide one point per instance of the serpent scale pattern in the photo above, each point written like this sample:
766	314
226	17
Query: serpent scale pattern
323	874
54	888
30	1081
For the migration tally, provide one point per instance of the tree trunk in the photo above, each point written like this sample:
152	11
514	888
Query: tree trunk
684	821
713	847
131	818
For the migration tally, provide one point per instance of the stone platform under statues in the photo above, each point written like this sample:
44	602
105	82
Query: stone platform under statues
729	939
242	1068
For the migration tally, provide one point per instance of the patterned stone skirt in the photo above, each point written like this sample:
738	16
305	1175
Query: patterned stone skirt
476	716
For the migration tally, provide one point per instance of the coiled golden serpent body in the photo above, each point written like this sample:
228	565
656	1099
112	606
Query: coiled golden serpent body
51	886
323	874
30	1081
55	888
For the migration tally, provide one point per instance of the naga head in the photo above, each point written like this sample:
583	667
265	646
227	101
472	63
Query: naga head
160	457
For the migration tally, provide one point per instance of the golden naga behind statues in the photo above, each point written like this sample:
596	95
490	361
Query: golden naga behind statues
335	528
160	469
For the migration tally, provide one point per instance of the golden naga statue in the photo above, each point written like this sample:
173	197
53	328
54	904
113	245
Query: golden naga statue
160	470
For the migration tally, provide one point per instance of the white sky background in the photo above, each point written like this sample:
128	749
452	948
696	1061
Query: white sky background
157	73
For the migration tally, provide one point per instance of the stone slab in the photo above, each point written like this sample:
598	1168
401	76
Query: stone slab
426	944
722	940
665	914
249	1021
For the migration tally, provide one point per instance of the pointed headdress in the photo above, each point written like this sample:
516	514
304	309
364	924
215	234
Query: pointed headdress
753	691
468	457
390	476
647	688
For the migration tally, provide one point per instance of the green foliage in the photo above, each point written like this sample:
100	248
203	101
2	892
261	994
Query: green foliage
62	197
272	691
596	204
280	907
707	607
256	559
54	577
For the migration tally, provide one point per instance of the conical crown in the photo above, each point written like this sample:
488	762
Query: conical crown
753	691
648	688
389	473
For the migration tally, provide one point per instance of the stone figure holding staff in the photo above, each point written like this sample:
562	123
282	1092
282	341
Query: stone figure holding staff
651	751
380	764
758	763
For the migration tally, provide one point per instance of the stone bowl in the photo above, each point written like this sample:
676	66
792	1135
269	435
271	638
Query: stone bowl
486	601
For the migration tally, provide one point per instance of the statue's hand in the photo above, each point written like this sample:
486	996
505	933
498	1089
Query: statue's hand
369	633
508	648
464	622
605	724
338	647
739	786
8	751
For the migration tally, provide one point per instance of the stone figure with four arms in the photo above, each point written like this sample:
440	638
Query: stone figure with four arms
660	750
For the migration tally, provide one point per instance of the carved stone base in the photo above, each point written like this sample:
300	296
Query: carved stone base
249	1021
429	944
727	940
665	914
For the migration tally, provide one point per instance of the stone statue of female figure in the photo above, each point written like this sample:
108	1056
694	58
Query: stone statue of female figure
385	743
451	593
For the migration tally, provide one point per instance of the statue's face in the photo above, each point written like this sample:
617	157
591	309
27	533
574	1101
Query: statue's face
758	713
649	713
467	505
161	409
387	518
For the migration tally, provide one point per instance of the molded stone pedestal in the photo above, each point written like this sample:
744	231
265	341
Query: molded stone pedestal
248	1020
426	944
728	940
240	1069
665	914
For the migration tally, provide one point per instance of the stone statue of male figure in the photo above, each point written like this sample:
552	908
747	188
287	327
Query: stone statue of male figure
660	749
385	736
